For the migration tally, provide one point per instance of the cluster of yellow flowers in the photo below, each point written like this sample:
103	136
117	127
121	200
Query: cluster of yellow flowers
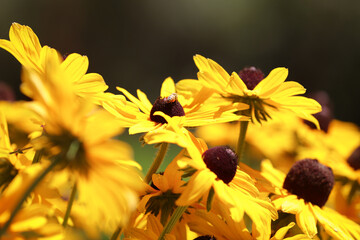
65	175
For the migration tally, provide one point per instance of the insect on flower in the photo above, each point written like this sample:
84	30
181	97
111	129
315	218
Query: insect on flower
171	98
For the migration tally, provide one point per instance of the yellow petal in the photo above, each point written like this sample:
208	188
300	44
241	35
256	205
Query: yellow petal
90	83
140	104
142	126
287	89
292	205
236	85
76	66
167	87
270	84
26	45
280	234
197	186
144	100
336	225
307	221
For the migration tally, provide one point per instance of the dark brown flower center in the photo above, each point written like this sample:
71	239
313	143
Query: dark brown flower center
251	76
310	180
222	161
354	159
168	105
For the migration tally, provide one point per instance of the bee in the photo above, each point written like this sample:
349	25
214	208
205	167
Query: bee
171	98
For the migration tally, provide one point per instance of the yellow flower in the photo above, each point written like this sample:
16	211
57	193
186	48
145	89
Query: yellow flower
161	195
218	223
139	114
25	46
151	232
345	203
33	218
78	137
222	180
303	193
341	150
12	159
263	95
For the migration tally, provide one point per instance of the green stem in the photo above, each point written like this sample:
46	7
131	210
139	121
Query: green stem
157	161
38	155
173	220
27	193
354	188
241	140
116	234
69	206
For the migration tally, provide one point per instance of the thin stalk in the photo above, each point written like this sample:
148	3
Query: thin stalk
27	193
69	205
37	156
116	234
354	188
157	161
241	140
173	220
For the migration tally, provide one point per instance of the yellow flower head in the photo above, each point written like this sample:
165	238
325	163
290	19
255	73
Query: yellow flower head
263	95
164	190
33	219
140	115
78	137
25	46
151	232
219	224
304	192
214	173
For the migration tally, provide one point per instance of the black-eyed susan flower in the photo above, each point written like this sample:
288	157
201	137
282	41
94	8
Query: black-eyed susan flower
214	175
25	46
138	114
152	231
32	219
101	168
303	192
161	195
263	95
219	225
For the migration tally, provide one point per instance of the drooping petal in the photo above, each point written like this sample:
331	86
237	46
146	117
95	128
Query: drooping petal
167	87
272	82
76	66
197	186
307	221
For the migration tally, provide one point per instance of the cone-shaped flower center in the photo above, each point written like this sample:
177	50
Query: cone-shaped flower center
222	161
310	180
206	237
168	105
354	159
326	115
251	76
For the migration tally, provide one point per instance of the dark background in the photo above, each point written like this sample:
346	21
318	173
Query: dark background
137	44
